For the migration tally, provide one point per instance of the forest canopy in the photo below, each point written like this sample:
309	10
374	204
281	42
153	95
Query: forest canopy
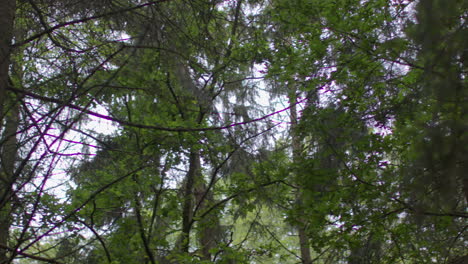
233	131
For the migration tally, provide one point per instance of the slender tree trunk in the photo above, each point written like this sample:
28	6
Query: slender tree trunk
194	195
193	175
7	12
7	15
296	150
7	164
209	228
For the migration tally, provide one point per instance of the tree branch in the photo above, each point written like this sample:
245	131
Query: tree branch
19	252
83	20
143	126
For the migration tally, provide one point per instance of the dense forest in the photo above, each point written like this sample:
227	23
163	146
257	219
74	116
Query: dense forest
233	131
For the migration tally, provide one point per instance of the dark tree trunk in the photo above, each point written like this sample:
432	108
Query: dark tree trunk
296	150
189	199
7	13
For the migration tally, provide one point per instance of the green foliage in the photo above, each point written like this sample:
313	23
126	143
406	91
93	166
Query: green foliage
366	162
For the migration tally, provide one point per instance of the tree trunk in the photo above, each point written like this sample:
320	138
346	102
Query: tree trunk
209	229
7	15
7	165
7	12
193	175
296	150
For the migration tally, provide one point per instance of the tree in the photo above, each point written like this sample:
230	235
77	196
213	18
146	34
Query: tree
137	132
6	31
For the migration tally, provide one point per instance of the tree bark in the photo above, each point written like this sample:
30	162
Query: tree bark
7	13
8	159
7	165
